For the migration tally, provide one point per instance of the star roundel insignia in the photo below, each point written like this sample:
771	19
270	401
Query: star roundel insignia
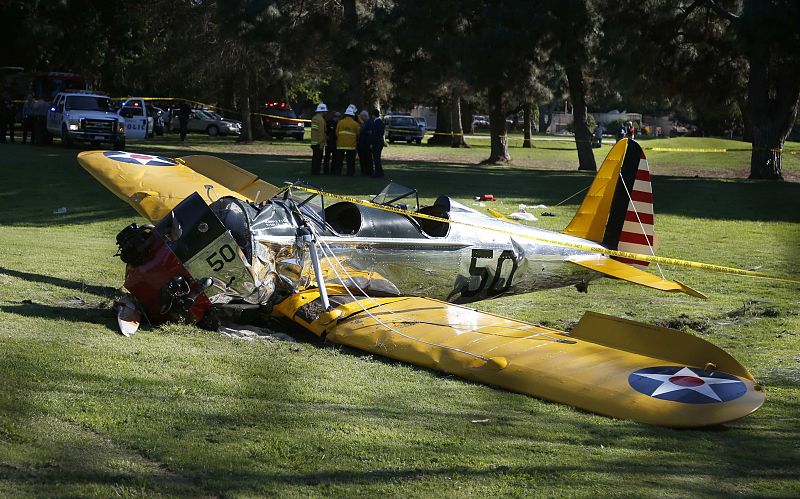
139	159
687	384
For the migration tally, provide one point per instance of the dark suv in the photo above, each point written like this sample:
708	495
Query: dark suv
282	121
403	127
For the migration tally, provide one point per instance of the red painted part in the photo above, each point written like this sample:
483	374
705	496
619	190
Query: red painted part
642	197
635	238
146	280
646	218
487	197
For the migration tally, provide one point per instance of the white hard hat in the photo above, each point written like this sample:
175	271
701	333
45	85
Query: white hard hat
322	108
351	110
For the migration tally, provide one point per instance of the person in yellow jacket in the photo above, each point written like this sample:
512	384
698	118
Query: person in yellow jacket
346	141
318	138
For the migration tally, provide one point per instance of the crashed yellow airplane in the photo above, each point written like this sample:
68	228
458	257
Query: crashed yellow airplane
385	279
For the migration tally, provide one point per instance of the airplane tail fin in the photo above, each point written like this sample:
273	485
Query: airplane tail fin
618	209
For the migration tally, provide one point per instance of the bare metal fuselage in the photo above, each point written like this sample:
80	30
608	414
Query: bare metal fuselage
465	263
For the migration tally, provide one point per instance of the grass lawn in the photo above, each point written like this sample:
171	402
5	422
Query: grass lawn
176	410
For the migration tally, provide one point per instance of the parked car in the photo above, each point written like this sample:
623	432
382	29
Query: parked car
403	127
480	121
282	121
422	123
207	122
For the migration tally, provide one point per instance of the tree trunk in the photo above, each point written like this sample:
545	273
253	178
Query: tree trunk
455	120
348	29
257	121
444	127
546	115
228	85
467	110
773	92
497	127
244	106
583	136
527	143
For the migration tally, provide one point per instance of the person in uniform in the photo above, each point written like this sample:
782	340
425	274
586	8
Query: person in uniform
365	143
318	138
28	109
183	117
346	141
330	144
377	131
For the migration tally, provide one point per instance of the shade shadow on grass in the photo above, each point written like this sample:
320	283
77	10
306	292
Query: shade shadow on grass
101	291
49	178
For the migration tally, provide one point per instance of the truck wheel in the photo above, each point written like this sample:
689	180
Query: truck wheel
298	138
65	140
419	141
212	130
391	140
119	145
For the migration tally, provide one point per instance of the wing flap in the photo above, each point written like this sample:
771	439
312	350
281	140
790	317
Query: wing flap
531	359
632	274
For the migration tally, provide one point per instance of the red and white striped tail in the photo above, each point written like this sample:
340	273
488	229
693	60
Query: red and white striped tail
638	233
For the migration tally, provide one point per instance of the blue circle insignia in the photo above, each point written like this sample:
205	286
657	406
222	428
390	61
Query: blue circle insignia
139	159
687	384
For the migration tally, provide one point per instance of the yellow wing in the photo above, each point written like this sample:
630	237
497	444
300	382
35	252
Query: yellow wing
594	368
154	185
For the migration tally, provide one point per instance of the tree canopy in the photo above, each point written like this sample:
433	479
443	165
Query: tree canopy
728	66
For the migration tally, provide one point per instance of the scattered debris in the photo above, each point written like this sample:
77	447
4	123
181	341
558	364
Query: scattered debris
128	316
522	214
480	421
485	197
547	214
60	211
250	333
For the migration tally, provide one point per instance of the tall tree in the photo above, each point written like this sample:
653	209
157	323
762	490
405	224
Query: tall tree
575	53
719	58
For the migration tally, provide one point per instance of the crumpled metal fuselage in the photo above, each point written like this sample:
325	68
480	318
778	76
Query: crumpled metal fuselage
466	263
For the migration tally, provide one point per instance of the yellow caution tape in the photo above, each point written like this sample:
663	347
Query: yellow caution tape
603	251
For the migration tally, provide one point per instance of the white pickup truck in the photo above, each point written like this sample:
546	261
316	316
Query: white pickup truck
85	117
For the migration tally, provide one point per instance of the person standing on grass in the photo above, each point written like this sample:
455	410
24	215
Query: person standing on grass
346	141
365	144
330	143
630	131
28	108
318	138
183	117
377	131
4	105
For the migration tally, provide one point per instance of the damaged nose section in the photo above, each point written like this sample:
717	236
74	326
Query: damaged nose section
181	274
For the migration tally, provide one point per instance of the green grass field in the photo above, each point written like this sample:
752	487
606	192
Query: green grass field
179	411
